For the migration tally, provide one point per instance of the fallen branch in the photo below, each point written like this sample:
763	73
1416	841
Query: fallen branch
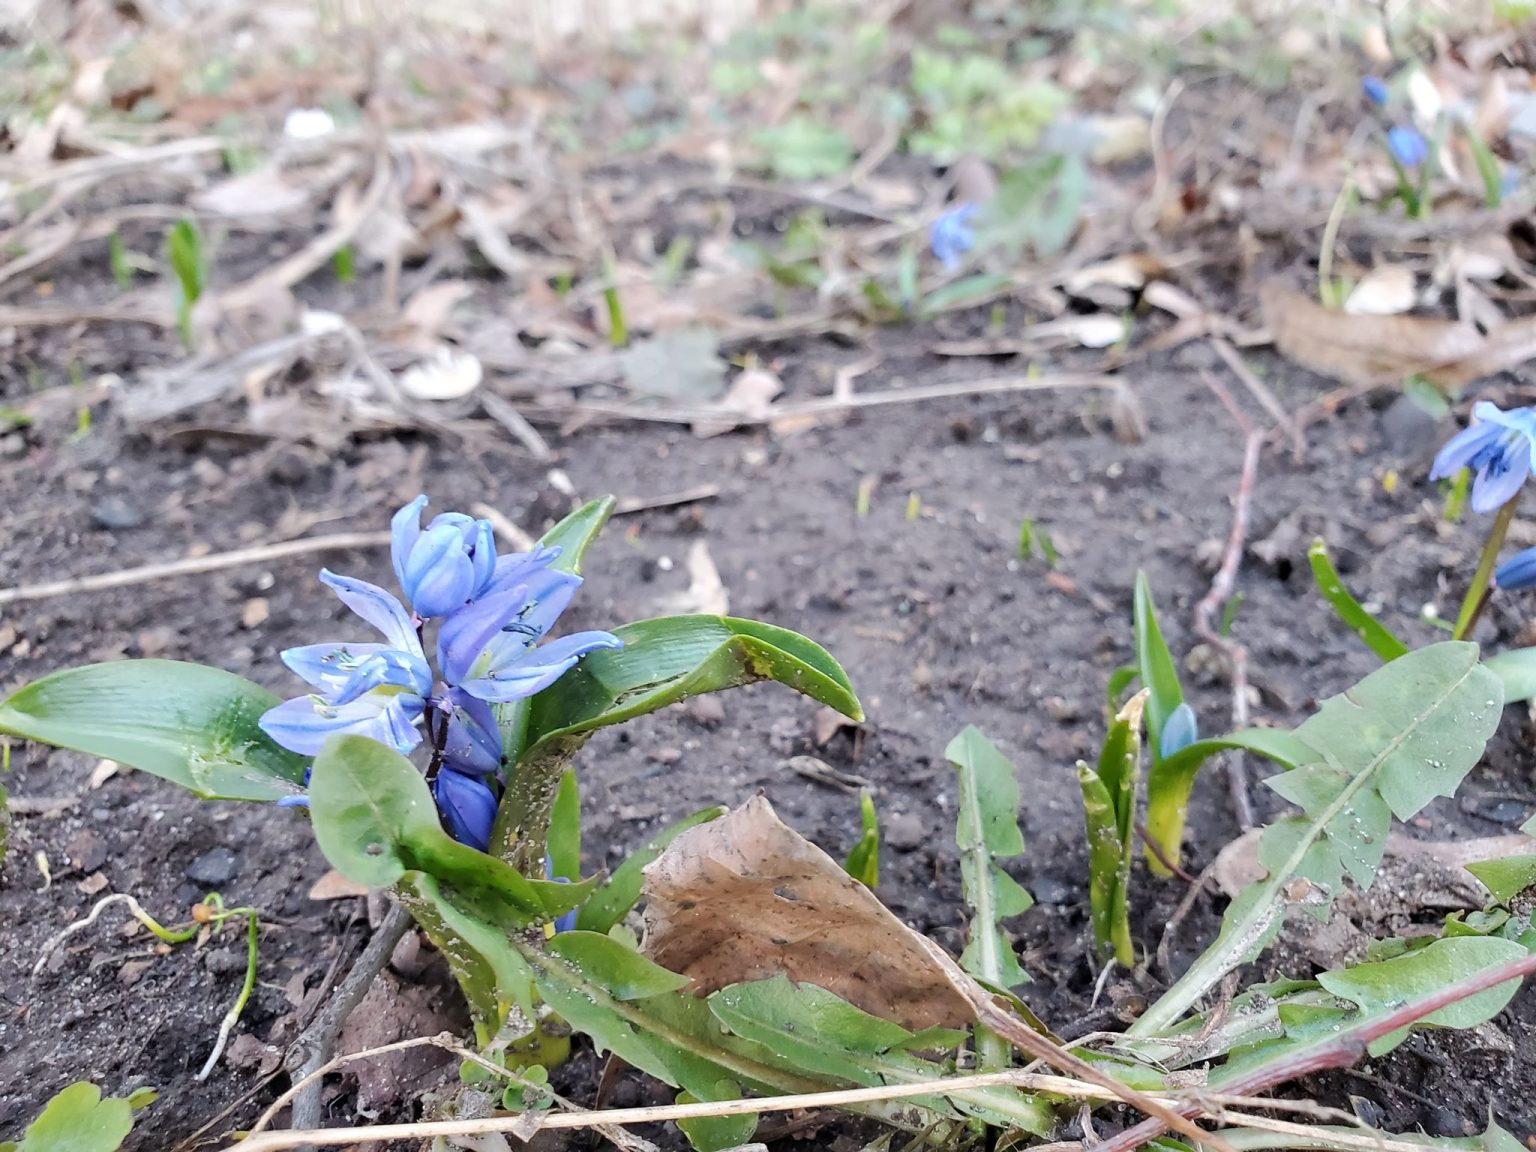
194	565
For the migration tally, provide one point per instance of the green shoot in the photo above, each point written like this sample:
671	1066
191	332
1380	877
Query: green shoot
1109	809
184	253
863	862
618	331
1348	609
344	264
862	498
1488	169
122	270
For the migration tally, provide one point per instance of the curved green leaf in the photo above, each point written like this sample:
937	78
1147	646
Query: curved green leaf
190	724
1348	609
1516	670
79	1120
674	657
376	822
616	895
575	534
1159	674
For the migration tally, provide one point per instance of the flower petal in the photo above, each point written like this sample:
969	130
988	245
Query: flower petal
468	807
464	634
377	607
404	529
328	666
516	567
1180	730
305	723
474	739
1518	572
537	668
438	574
482	555
1499	478
389	668
1461	448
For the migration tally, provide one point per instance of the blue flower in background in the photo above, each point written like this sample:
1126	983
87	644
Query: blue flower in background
468	807
374	690
1407	146
951	236
1518	572
566	921
442	568
1375	90
1497	446
1180	730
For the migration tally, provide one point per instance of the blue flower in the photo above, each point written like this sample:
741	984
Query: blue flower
1518	572
1180	730
1497	446
374	690
473	741
487	649
445	566
951	236
566	921
468	807
1407	146
1375	90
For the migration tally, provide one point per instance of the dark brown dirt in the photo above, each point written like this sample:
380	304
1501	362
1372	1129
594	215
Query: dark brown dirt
936	619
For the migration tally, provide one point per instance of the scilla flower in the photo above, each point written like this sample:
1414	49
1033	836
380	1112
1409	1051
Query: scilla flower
1497	446
951	236
1180	730
1407	146
444	566
374	690
468	807
1375	90
1518	572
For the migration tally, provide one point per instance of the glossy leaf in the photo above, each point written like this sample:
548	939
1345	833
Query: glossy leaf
79	1120
1349	610
611	901
192	725
1383	986
1159	674
1407	733
565	829
376	822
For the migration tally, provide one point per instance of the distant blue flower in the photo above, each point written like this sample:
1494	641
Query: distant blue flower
374	690
1407	145
951	236
487	649
1180	730
1375	90
1497	446
444	566
1518	572
468	807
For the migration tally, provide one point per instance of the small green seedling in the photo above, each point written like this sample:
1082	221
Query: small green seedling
863	862
184	253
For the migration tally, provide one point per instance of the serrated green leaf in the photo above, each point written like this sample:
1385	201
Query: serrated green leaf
79	1120
189	724
1384	986
611	901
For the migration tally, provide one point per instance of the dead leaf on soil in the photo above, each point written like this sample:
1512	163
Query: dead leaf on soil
334	886
682	365
746	897
1367	351
706	592
427	313
750	395
263	192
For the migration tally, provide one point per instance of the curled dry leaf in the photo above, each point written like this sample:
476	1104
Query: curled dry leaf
1374	350
746	897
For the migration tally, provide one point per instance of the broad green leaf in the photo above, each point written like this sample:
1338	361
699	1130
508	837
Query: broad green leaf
628	975
192	725
1159	674
79	1120
863	862
1506	877
375	820
611	901
1408	732
1516	670
716	1133
988	830
565	829
1384	986
1375	635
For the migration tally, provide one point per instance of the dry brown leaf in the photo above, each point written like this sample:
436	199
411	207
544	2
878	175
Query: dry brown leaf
706	593
263	192
1373	350
746	897
334	886
427	313
751	395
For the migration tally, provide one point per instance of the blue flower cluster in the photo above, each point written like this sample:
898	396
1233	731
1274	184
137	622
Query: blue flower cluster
492	611
1405	143
1499	447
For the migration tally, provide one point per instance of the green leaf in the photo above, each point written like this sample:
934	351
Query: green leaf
683	364
565	829
715	1133
79	1120
1159	674
863	862
628	975
1109	808
611	901
803	148
986	831
375	821
575	534
1384	986
1348	609
1507	876
192	725
1408	732
950	295
1516	670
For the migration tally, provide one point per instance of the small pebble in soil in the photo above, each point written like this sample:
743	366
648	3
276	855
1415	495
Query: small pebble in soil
1061	710
223	961
116	514
216	866
1439	1121
706	711
1049	890
905	832
290	467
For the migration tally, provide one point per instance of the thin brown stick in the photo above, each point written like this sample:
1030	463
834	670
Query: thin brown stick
194	565
629	505
1340	1051
1262	394
1162	857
